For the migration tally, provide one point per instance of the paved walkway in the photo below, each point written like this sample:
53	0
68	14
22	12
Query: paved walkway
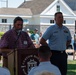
70	57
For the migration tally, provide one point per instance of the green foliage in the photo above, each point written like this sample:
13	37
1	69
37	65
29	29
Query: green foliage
1	33
31	31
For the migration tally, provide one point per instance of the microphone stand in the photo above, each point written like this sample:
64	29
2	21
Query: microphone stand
15	48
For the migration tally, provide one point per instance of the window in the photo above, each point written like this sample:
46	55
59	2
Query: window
58	8
4	20
64	21
51	21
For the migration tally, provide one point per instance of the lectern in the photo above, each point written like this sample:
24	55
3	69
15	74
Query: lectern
25	59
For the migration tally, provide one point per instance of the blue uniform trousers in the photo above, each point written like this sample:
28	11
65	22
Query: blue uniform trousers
59	58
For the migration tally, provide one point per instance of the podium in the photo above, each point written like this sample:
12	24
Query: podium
25	59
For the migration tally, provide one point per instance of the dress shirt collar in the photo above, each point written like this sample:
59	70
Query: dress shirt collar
43	63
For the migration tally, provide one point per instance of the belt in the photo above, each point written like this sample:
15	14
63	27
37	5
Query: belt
56	51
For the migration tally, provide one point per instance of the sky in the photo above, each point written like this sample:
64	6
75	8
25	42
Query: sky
11	3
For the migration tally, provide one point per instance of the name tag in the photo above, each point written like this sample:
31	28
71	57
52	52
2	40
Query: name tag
25	42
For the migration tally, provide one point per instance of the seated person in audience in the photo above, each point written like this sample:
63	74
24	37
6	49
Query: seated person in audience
44	54
4	71
44	73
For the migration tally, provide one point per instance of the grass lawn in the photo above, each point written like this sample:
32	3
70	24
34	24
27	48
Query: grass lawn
71	67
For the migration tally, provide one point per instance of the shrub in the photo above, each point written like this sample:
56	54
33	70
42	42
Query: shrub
1	33
31	31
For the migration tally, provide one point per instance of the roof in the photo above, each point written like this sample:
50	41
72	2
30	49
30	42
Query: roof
71	4
36	6
15	11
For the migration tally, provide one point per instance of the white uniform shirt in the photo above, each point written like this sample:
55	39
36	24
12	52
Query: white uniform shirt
45	66
4	71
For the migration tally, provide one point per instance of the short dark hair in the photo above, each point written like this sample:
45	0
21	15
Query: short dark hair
44	51
57	13
18	19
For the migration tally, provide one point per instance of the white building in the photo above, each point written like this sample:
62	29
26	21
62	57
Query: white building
40	14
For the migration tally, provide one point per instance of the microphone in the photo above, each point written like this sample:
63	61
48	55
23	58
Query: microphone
19	32
18	35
